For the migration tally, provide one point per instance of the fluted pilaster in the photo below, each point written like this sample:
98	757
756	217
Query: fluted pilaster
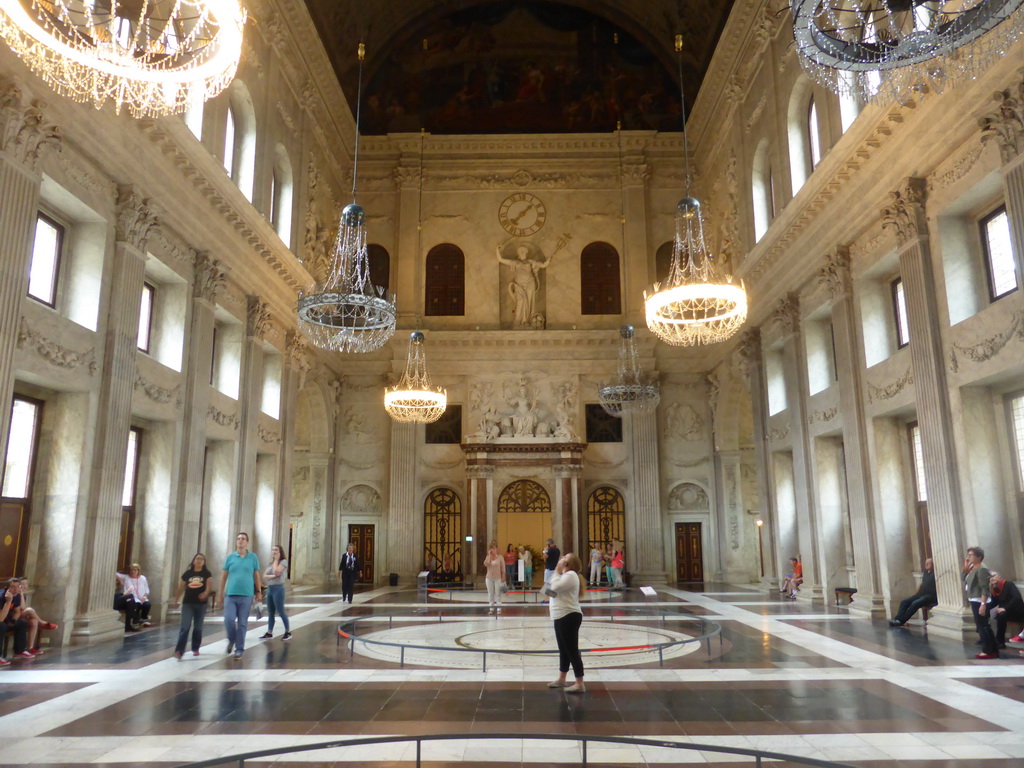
645	549
406	267
634	206
250	397
405	522
474	518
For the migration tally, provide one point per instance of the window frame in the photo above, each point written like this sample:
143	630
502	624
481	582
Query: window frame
129	512
596	287
61	229
814	153
150	288
987	256
900	315
1016	450
24	502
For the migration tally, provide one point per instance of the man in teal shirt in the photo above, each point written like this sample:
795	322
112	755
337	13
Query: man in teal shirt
239	584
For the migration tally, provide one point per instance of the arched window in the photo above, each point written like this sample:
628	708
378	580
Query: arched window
281	186
813	134
802	133
606	517
524	516
240	139
442	534
445	290
380	266
600	288
762	190
663	262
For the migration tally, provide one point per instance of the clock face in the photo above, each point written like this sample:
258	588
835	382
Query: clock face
522	214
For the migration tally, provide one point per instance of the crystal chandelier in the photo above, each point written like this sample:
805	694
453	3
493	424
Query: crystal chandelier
633	390
346	312
154	56
888	49
697	303
413	399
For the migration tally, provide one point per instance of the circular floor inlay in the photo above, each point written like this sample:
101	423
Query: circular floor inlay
605	644
512	598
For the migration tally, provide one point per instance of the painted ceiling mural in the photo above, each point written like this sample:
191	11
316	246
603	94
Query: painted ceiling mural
526	66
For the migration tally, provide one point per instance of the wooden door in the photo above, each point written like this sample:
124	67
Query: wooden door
689	556
363	538
12	525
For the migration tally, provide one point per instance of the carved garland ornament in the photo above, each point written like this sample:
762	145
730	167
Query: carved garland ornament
890	391
156	393
223	419
986	349
54	353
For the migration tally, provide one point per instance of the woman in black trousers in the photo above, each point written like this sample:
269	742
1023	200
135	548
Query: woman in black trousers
565	589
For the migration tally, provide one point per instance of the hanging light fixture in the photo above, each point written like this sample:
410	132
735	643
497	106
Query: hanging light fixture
413	399
633	390
154	56
887	49
347	313
697	303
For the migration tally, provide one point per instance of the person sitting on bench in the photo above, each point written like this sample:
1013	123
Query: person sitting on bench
793	579
1007	606
925	597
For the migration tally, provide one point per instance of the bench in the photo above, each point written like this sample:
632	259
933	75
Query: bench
848	591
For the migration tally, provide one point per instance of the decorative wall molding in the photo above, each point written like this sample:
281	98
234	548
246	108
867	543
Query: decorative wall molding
905	213
88	179
778	433
136	217
156	393
267	436
823	416
755	114
960	168
890	390
986	349
208	278
25	133
218	416
688	496
835	276
1005	125
257	317
508	180
53	353
785	316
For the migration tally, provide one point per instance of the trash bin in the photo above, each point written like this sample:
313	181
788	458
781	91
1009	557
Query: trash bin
392	579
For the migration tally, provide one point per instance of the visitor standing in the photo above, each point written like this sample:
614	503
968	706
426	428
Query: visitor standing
510	566
239	584
596	561
526	557
551	557
495	572
565	590
274	577
192	595
976	579
349	569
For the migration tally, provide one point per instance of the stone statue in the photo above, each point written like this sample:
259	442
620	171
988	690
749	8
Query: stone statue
524	417
524	285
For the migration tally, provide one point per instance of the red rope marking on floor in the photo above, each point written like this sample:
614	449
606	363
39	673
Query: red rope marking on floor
435	589
343	634
622	648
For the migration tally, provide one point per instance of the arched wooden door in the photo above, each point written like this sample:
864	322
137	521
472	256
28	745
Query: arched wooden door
524	518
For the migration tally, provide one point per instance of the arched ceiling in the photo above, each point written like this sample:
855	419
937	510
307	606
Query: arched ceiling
519	66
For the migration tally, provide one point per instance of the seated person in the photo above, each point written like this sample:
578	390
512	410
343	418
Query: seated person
25	621
133	599
791	585
1006	606
925	597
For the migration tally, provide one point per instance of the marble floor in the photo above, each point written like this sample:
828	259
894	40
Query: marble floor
783	676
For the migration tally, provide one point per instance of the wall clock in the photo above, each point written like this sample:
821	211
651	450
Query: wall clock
522	214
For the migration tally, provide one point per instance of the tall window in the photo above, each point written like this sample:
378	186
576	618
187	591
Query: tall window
281	197
899	309
448	429
761	189
1015	413
813	135
606	517
229	141
129	494
146	317
46	255
663	261
380	266
16	483
599	280
920	490
442	532
445	281
995	241
602	428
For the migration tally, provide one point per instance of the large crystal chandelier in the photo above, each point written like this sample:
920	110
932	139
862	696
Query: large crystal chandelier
697	303
413	399
346	312
154	56
891	48
633	390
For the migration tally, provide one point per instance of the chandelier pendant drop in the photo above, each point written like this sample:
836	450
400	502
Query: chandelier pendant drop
413	399
697	303
155	57
346	312
633	390
889	49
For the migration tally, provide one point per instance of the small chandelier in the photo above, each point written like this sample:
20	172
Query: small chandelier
346	312
633	390
888	49
697	303
154	56
413	399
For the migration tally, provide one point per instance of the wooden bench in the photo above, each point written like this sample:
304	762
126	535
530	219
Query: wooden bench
848	591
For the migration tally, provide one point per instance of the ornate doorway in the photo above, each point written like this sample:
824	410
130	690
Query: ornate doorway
524	518
363	537
442	532
606	518
689	554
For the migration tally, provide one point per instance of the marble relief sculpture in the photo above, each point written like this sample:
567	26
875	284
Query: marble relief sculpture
521	412
524	285
524	413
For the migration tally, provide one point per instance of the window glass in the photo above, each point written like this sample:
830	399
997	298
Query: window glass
229	141
599	280
919	481
1017	425
813	137
146	316
995	230
20	449
601	426
445	283
130	466
899	303
448	429
46	248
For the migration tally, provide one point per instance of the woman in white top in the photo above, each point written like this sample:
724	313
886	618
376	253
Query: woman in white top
494	566
596	561
134	598
565	589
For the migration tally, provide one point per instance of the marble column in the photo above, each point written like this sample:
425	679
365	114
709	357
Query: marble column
474	519
787	316
567	503
1005	127
751	364
136	220
635	175
207	281
645	548
836	279
405	522
406	268
293	376
906	217
25	136
250	397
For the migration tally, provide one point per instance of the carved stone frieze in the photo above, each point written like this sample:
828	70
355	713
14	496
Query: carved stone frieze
634	174
361	500
682	422
688	496
25	133
905	213
986	349
208	279
778	433
785	316
84	176
53	353
220	418
823	416
835	276
960	168
1005	125
156	393
406	176
267	436
890	391
136	217
257	317
508	180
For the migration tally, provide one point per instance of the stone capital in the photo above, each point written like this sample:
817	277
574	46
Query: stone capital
25	133
208	279
635	174
136	217
1005	125
257	317
748	353
835	276
905	212
406	176
295	351
479	472
785	316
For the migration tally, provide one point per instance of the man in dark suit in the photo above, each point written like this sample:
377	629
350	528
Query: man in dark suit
349	568
1007	605
925	597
